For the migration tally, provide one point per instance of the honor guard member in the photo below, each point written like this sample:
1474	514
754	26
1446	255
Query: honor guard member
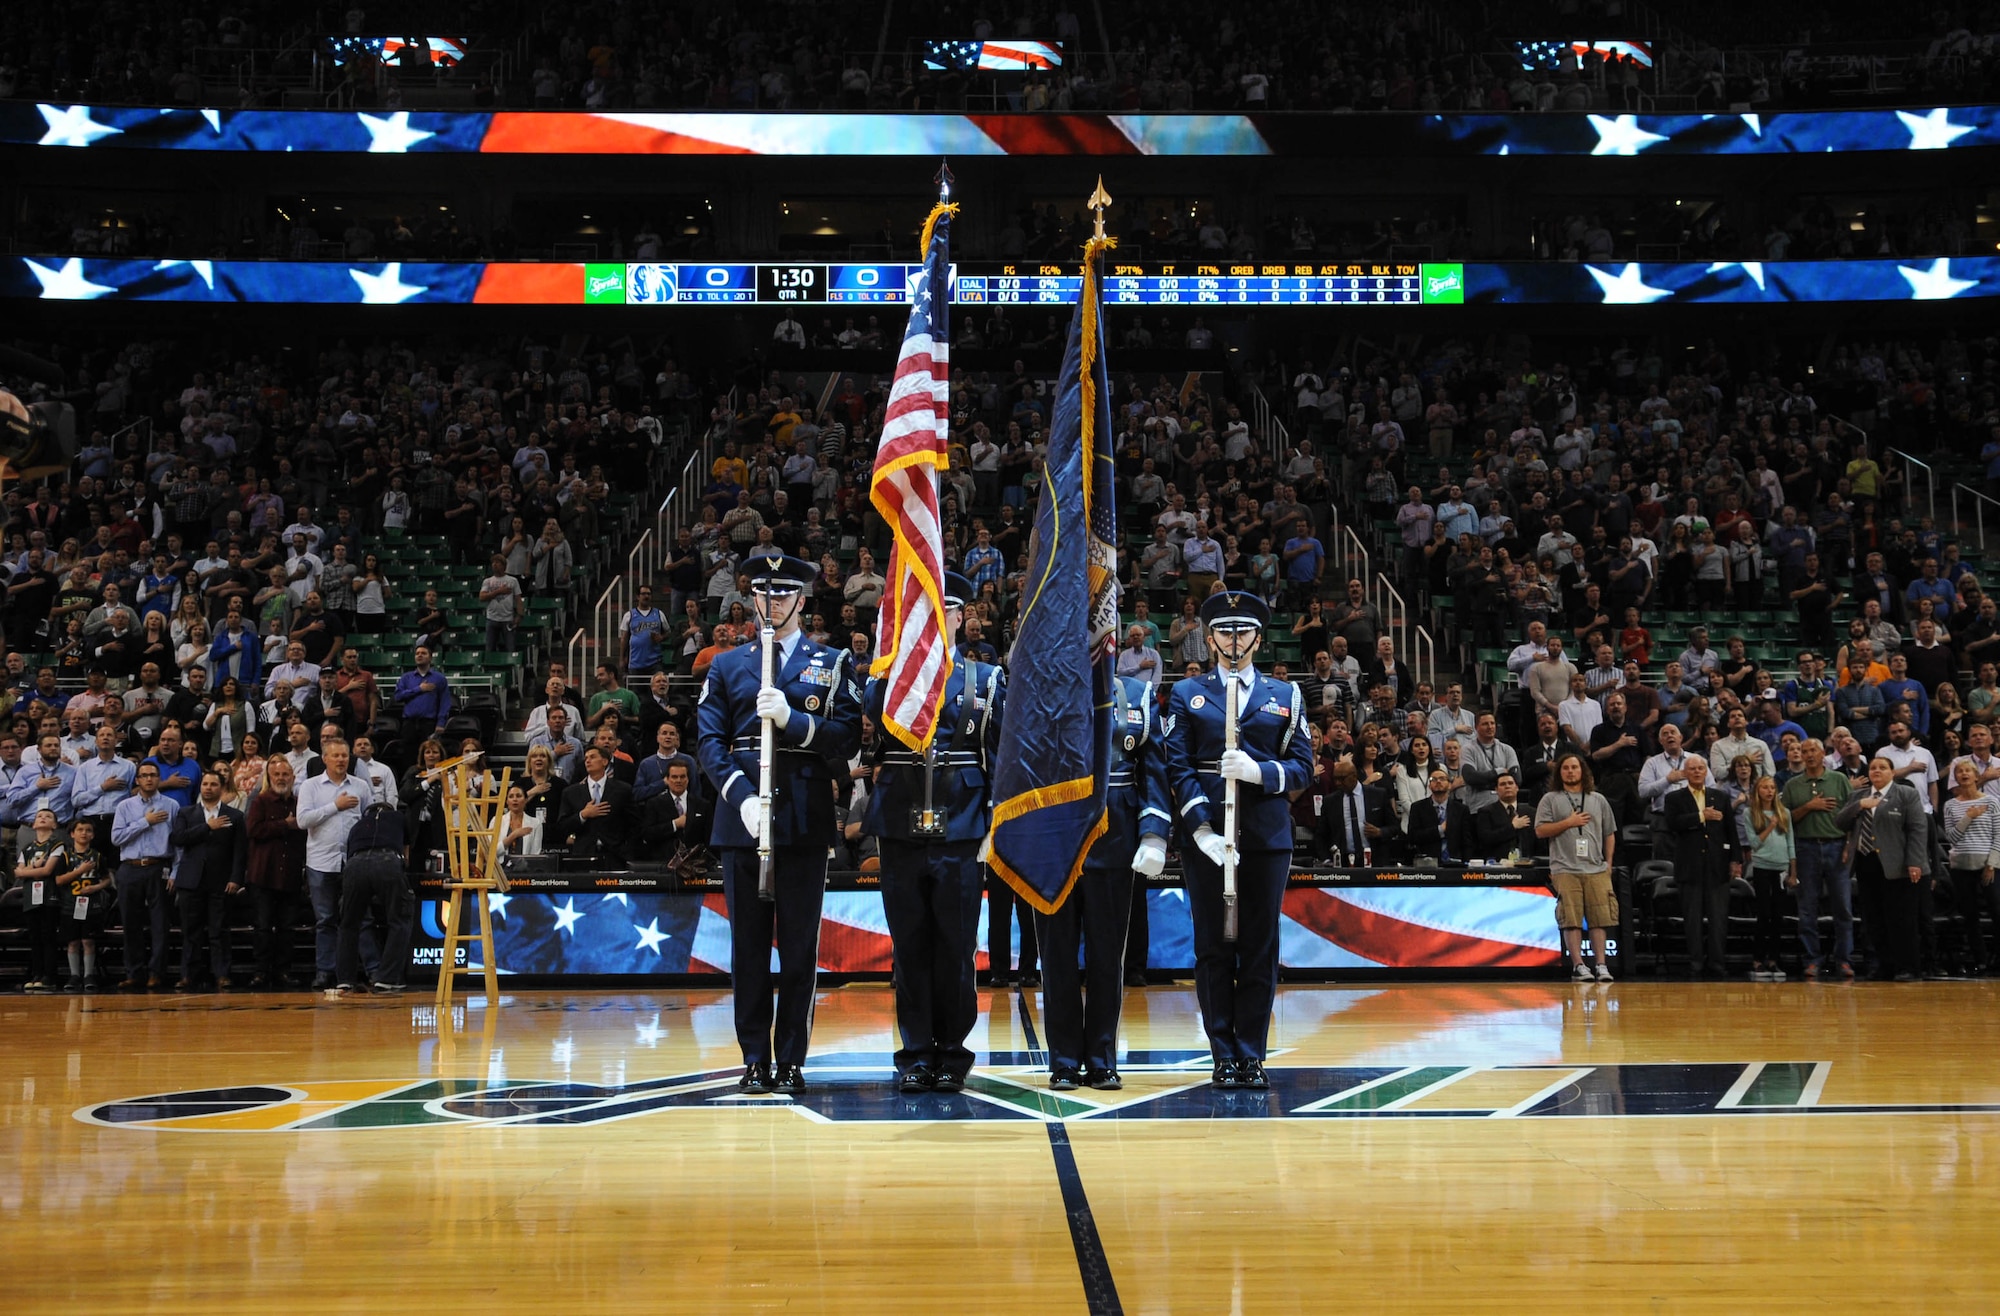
1236	982
1081	1010
815	706
929	812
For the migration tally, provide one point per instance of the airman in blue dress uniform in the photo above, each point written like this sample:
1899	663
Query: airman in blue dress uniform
1081	1010
1236	982
815	705
932	876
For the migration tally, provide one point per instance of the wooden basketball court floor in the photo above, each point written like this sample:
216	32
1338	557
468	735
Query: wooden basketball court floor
1668	1147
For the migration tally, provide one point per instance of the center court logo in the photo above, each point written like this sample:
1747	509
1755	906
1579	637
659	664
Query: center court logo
857	1088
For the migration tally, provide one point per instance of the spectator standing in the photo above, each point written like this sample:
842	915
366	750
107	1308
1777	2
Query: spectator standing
328	807
209	837
1582	835
425	698
142	830
501	594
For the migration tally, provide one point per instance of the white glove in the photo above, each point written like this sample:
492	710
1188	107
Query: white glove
1237	764
1212	846
772	703
753	816
1152	857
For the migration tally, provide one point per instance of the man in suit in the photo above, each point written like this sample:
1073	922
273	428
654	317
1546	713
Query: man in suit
1358	818
1888	846
597	811
1236	982
814	707
931	873
1439	829
1538	760
210	840
1707	856
1505	827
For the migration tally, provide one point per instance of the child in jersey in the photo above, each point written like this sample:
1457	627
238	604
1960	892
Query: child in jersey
85	886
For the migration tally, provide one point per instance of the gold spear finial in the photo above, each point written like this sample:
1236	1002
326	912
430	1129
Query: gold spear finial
1100	201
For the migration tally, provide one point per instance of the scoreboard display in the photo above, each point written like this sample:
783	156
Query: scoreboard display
1350	283
1223	284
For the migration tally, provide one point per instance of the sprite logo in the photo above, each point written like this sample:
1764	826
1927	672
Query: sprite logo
1444	284
604	284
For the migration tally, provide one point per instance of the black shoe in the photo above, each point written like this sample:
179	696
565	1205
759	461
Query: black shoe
1693	972
1029	979
949	1082
1064	1078
1104	1080
1225	1074
1001	978
258	982
917	1078
756	1080
90	983
1906	976
386	988
75	986
1250	1074
790	1079
1136	978
322	981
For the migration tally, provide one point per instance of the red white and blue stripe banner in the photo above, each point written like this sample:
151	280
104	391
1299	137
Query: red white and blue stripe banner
1399	136
1501	928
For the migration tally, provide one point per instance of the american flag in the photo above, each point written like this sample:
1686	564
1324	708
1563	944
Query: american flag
913	650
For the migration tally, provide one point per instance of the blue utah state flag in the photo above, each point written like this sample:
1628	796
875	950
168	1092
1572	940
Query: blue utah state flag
1055	747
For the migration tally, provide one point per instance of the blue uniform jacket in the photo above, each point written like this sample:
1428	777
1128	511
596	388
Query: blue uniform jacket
1137	802
1271	728
975	701
812	750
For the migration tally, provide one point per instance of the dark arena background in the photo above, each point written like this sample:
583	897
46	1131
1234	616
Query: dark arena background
1568	393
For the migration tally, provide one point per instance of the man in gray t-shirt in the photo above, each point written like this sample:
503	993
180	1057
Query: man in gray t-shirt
1581	833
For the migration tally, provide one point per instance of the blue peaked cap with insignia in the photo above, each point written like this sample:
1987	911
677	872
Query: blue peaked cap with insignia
958	591
779	573
1233	610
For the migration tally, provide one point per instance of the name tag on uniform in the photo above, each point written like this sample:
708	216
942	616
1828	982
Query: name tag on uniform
82	910
34	894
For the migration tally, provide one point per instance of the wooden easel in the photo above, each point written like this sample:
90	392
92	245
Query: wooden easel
472	839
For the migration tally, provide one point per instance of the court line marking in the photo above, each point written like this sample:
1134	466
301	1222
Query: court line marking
1100	1289
1734	1096
1809	1095
1429	1089
1531	1102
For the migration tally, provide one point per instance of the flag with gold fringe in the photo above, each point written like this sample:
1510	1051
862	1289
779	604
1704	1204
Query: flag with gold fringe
1055	747
912	650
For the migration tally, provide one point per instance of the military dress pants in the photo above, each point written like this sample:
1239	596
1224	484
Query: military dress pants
792	922
931	893
1080	1008
1235	983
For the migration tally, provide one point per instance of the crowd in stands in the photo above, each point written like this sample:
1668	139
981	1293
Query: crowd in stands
1657	555
1176	56
264	572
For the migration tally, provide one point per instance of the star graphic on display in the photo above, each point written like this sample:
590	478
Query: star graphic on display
386	288
204	268
214	118
72	126
1621	135
620	897
1626	288
567	916
497	903
1753	268
1933	131
1934	284
1754	122
650	937
67	284
393	135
